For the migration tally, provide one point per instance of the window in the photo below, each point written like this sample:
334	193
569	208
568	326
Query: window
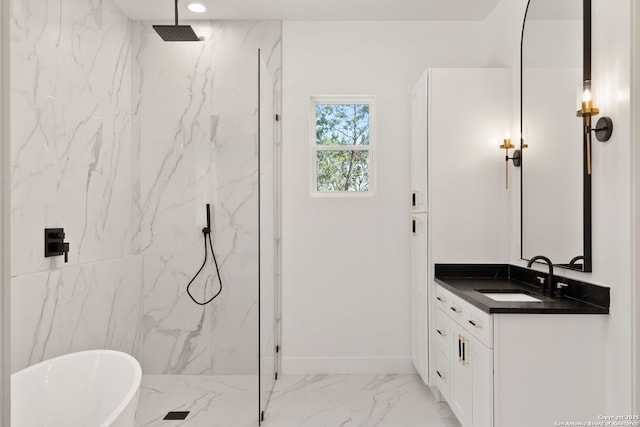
342	140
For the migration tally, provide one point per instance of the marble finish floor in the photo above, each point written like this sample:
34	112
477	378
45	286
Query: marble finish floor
297	401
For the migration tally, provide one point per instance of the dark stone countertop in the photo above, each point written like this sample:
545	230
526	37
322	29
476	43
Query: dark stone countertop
502	278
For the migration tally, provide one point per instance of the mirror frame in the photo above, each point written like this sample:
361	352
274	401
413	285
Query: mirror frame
587	264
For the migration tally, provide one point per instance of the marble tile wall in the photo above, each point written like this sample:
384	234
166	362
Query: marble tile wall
92	306
71	167
122	139
195	141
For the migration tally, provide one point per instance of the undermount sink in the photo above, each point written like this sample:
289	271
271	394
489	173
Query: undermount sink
499	295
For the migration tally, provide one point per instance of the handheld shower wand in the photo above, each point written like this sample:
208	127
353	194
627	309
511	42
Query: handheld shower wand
208	218
206	236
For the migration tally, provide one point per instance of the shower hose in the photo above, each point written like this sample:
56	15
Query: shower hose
206	236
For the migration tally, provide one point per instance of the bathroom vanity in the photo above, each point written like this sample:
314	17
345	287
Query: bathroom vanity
519	363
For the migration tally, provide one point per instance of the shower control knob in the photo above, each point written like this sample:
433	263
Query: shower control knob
54	244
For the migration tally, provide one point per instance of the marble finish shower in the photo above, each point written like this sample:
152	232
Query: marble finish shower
122	139
195	120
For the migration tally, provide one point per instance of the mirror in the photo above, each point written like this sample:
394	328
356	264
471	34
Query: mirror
555	188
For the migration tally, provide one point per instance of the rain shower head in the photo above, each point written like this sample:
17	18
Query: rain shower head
176	33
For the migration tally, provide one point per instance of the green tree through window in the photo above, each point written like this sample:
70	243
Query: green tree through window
342	147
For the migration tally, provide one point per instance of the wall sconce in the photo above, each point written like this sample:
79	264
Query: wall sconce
517	156
604	126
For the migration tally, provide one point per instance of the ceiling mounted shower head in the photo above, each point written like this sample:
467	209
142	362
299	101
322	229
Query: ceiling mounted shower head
176	33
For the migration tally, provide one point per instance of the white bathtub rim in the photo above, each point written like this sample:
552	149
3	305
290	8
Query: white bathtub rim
126	399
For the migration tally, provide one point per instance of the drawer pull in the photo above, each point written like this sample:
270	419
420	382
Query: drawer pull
455	310
439	299
475	324
442	377
442	334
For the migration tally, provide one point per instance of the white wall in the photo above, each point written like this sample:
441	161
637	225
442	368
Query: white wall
612	262
503	27
612	186
346	277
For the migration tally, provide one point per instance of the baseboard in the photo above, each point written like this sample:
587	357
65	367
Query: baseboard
347	365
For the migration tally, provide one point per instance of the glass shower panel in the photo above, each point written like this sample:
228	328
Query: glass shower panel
267	218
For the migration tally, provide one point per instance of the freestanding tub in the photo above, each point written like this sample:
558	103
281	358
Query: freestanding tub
90	388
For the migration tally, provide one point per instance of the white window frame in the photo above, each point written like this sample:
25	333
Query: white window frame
371	148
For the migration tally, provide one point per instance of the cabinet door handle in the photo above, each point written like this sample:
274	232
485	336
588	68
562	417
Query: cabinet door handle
440	375
455	310
413	200
413	226
475	324
442	334
464	352
459	348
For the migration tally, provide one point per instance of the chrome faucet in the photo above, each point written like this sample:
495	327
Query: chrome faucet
550	278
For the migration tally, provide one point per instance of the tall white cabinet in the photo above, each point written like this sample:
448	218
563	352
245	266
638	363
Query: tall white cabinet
457	199
420	271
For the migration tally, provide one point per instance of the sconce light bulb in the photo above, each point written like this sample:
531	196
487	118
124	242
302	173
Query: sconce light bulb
586	96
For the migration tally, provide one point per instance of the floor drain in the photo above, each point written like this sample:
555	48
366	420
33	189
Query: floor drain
176	415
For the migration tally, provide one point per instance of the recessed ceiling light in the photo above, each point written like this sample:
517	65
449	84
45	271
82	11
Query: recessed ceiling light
196	7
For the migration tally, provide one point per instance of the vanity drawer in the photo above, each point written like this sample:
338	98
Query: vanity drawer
449	303
443	332
443	368
442	297
472	319
480	325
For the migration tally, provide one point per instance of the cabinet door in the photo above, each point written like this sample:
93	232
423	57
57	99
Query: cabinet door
423	365
419	152
419	254
415	326
471	390
419	297
419	328
461	388
481	358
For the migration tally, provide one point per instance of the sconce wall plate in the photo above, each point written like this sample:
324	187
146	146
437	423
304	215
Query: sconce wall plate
604	129
517	158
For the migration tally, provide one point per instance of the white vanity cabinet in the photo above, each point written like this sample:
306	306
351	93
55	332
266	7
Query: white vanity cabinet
518	369
464	364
